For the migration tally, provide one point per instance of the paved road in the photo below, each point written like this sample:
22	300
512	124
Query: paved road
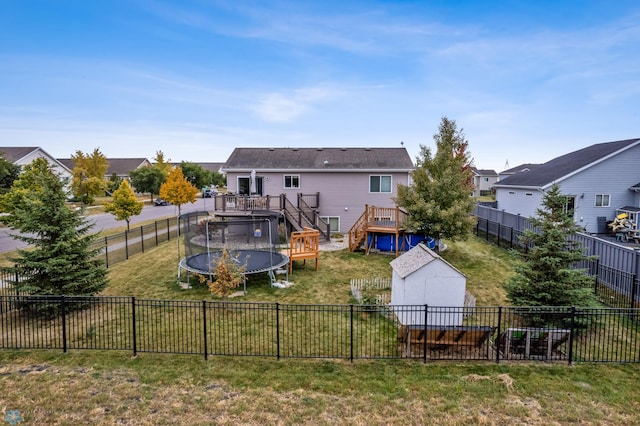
106	221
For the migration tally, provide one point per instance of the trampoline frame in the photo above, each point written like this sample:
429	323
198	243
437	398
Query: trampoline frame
277	258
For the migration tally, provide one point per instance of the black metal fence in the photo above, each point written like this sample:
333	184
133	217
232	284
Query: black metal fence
119	247
210	328
616	268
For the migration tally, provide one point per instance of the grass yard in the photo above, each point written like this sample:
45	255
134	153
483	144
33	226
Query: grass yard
113	388
100	387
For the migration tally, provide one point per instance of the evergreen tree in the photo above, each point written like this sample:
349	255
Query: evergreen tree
438	201
9	172
59	259
547	278
125	204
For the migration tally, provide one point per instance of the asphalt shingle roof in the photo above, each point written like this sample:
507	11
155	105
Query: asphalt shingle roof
119	166
565	165
13	154
319	159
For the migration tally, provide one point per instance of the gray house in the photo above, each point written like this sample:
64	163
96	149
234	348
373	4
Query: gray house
344	179
598	181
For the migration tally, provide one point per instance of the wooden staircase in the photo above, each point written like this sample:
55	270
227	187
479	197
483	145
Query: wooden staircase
377	220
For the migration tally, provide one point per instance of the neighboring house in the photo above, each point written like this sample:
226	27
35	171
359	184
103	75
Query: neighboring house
527	167
483	181
120	166
421	277
345	178
597	180
21	156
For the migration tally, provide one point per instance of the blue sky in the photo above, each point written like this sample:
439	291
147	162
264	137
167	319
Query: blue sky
526	80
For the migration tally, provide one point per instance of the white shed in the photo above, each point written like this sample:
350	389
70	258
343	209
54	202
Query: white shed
422	277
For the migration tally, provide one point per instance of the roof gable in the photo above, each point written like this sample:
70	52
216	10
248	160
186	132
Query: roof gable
566	165
15	153
414	259
243	159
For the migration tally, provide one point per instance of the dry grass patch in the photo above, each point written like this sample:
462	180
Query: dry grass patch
112	388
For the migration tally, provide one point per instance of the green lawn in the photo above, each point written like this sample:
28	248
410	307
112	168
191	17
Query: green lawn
98	387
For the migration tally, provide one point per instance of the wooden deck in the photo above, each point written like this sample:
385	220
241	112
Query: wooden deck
377	220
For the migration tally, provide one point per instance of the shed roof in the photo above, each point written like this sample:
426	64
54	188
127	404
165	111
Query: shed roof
392	159
414	259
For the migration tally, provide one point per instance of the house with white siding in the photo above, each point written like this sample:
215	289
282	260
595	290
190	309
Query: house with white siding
598	181
23	155
344	179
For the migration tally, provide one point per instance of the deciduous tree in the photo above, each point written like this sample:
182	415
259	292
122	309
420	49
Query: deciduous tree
548	277
125	203
228	273
195	174
59	259
438	200
89	171
147	179
177	190
162	163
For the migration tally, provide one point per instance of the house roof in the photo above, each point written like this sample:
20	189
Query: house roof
566	165
15	153
119	166
484	172
526	167
419	256
210	167
314	159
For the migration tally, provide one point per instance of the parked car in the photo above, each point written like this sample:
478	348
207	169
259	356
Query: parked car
160	202
209	193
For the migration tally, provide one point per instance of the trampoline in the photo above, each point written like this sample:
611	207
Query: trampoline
254	261
252	241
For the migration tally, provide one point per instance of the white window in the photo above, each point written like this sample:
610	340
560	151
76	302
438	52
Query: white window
291	181
379	183
334	223
602	200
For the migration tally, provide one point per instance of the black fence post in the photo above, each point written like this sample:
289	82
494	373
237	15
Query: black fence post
142	238
126	245
204	329
498	335
64	323
571	331
106	252
134	336
424	355
156	231
277	331
351	332
168	230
